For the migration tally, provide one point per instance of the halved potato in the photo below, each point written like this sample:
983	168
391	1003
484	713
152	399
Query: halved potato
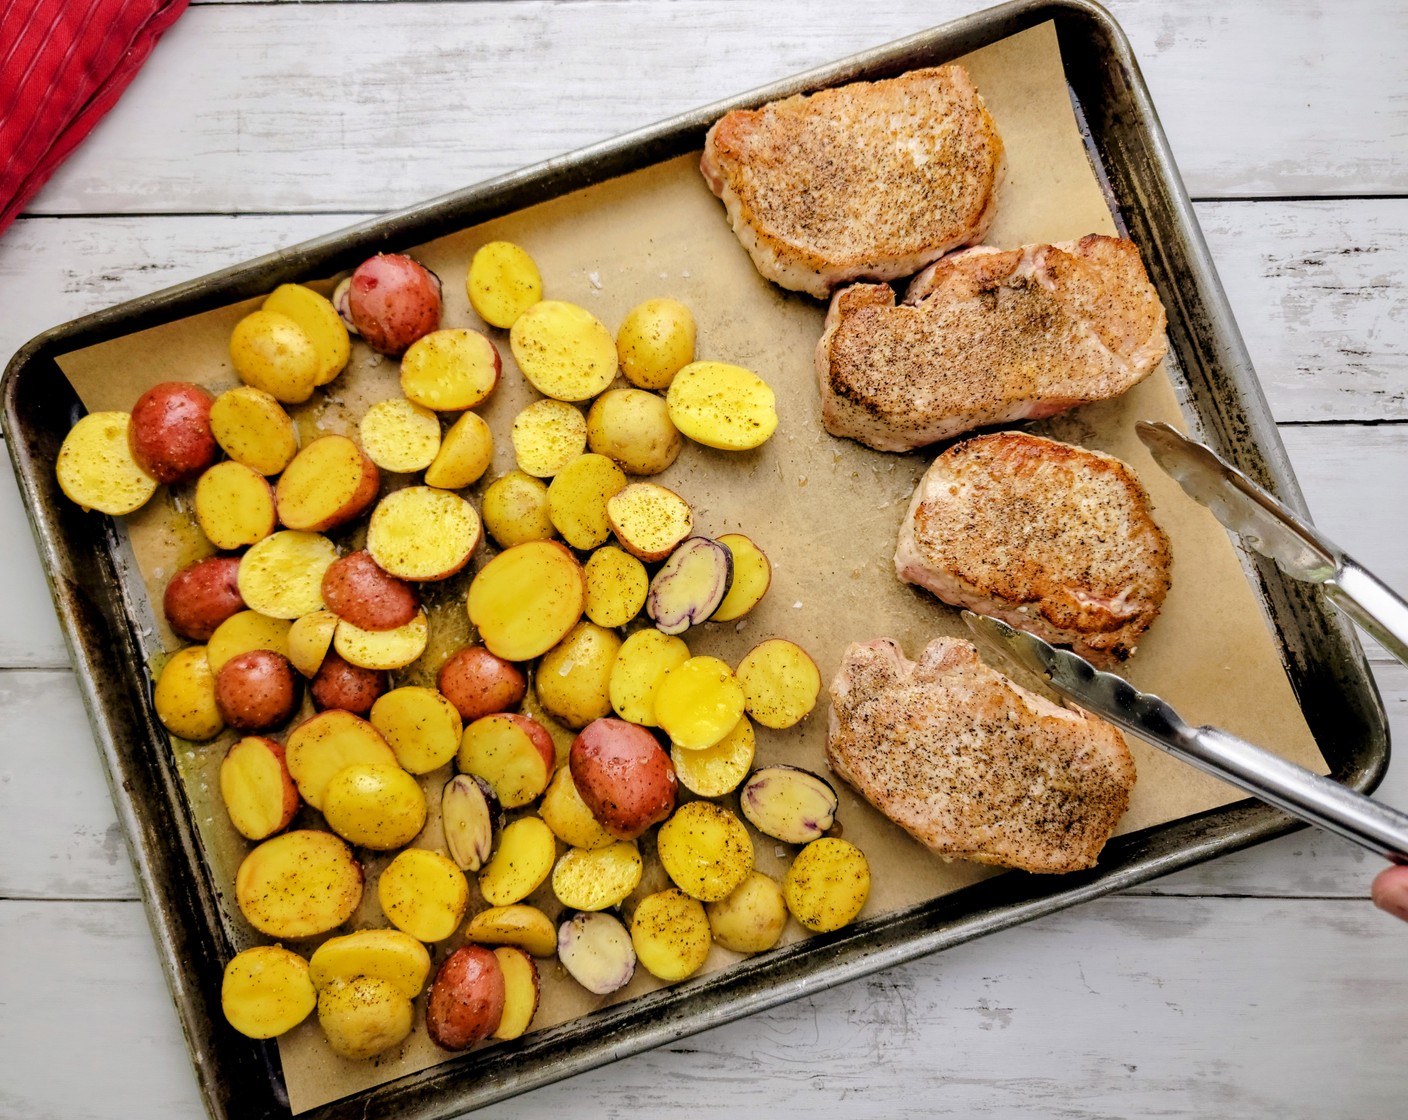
466	1001
320	322
595	949
526	599
633	428
479	683
363	1016
690	586
641	664
324	744
752	918
521	989
513	753
827	884
623	776
656	341
502	283
450	370
705	850
780	682
423	533
299	884
564	350
699	702
252	428
470	818
266	991
573	682
282	575
524	860
309	639
420	725
388	954
617	584
234	505
399	435
597	878
722	405
518	924
327	484
382	649
752	574
717	770
571	821
516	510
245	631
670	934
649	520
547	435
257	789
374	805
95	467
184	696
424	894
169	432
270	351
466	451
578	498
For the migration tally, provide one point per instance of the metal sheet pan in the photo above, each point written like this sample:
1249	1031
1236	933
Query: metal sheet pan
83	557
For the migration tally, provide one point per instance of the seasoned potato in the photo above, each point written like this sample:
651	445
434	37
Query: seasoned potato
633	428
272	352
234	505
298	884
374	805
690	586
424	894
184	696
282	575
420	725
573	681
516	510
513	753
616	586
503	282
422	533
780	682
788	803
325	744
257	789
705	850
201	596
95	467
327	484
563	350
623	776
597	878
524	926
479	683
649	520
382	649
571	821
526	599
578	498
387	954
320	322
723	406
338	684
641	664
363	1016
547	435
521	989
698	702
266	991
399	435
169	435
358	590
596	951
256	691
309	639
252	428
466	1000
656	341
670	934
450	370
244	631
752	574
717	770
524	860
752	918
393	301
827	884
470	818
466	451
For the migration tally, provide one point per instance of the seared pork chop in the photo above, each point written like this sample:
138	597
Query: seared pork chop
988	336
871	179
1055	539
971	764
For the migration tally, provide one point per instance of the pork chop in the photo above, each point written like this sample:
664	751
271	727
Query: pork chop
988	336
1056	539
973	765
871	179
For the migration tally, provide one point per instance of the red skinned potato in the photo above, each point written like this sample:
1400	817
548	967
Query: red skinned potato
203	595
393	301
466	1000
170	436
256	690
479	684
623	775
357	589
340	684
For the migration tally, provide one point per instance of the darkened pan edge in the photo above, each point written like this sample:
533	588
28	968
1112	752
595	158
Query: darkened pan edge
82	557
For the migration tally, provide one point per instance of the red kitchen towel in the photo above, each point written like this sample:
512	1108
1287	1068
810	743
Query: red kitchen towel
63	64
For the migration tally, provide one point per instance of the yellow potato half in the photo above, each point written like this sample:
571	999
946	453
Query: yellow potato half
267	991
95	467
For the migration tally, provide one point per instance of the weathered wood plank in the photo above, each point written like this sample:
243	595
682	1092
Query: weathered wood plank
1236	1008
243	109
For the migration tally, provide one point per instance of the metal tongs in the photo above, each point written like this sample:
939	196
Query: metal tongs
1267	526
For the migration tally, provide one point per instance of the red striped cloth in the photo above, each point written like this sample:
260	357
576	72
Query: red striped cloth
63	64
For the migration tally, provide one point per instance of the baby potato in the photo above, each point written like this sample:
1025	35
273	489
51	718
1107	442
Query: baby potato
595	949
309	639
184	696
699	702
358	590
320	747
340	685
466	451
266	991
513	753
578	497
479	683
252	428
752	574
450	370
234	505
374	805
421	533
690	586
617	584
245	631
515	510
574	677
282	575
649	520
524	860
717	770
547	435
424	894
705	850
656	341
393	301
256	691
470	817
723	406
298	884
670	934
466	1000
386	954
641	664
272	352
201	596
564	811
258	791
597	878
527	599
169	435
399	435
633	428
327	484
563	350
363	1016
521	991
320	322
503	282
623	776
780	682
382	649
520	925
420	725
95	468
827	884
750	919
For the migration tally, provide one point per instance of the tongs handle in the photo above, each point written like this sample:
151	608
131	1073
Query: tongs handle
1372	604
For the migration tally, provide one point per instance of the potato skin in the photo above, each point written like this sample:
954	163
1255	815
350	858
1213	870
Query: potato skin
170	436
340	684
479	683
357	589
467	999
393	301
623	775
203	595
256	690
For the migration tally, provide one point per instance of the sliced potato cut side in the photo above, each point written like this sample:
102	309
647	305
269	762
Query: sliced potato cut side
827	884
641	664
502	283
699	702
326	484
299	884
450	370
382	649
95	467
597	878
465	453
563	350
234	505
780	681
282	575
423	894
705	850
717	770
400	435
252	428
320	322
670	934
547	435
266	991
752	575
578	498
722	406
421	533
321	746
649	520
526	599
617	584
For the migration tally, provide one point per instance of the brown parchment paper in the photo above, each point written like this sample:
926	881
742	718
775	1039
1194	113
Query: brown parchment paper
826	511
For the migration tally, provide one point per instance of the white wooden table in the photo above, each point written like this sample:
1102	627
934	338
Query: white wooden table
1260	985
